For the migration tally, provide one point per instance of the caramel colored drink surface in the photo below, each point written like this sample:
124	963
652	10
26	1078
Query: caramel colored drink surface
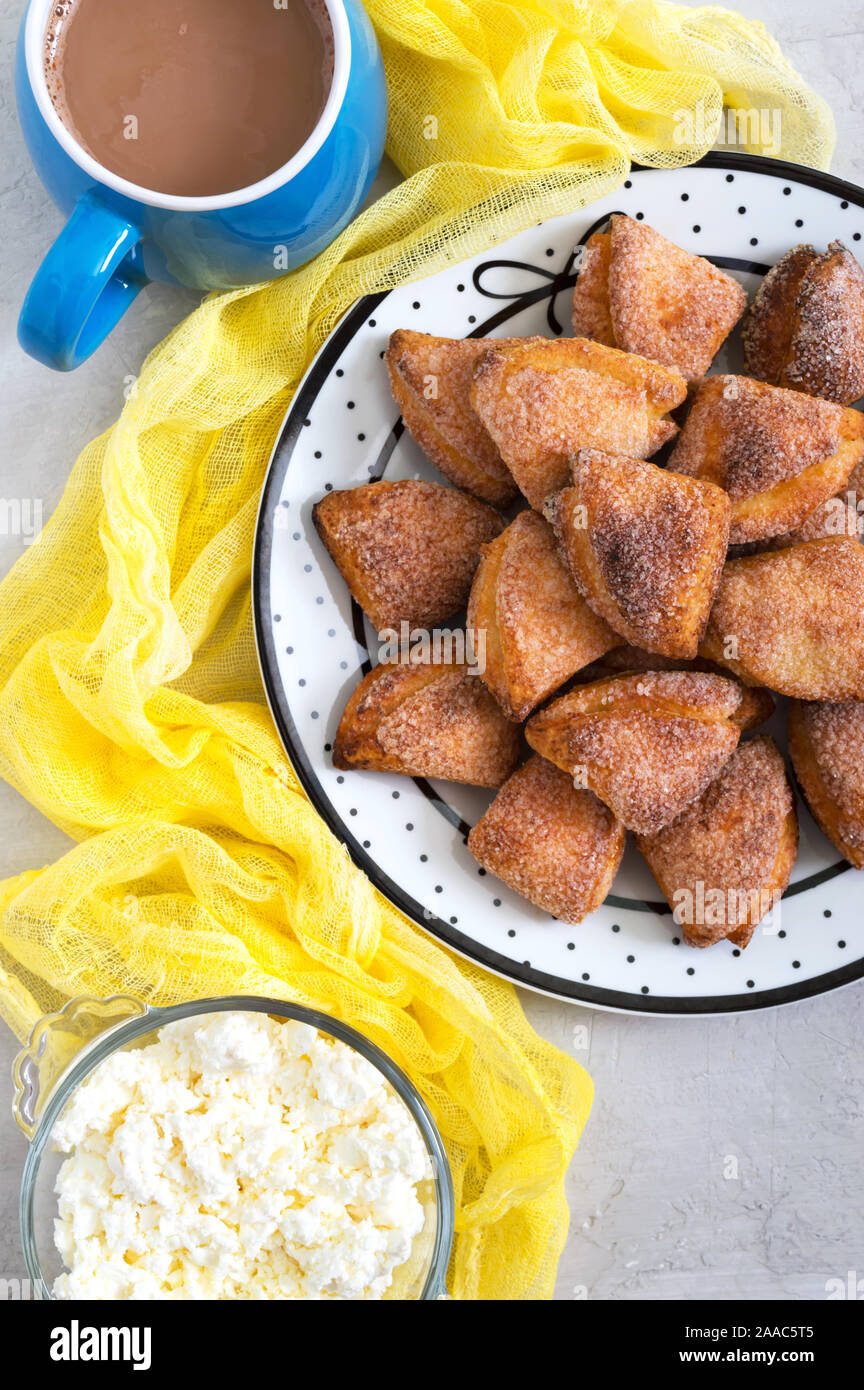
190	97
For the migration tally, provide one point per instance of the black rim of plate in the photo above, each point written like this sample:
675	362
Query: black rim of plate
571	990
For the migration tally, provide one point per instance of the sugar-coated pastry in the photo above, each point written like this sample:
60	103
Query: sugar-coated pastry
805	327
538	630
645	546
826	745
779	454
836	517
427	720
626	659
853	492
793	620
543	401
646	744
660	301
591	314
722	865
556	845
407	550
431	383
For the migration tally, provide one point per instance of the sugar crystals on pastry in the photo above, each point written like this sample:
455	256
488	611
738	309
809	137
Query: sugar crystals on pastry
793	620
724	862
427	720
805	327
645	546
556	845
646	744
538	629
544	400
431	383
661	301
406	549
826	745
835	517
779	454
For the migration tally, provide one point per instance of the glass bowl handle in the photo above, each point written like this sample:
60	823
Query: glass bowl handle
55	1041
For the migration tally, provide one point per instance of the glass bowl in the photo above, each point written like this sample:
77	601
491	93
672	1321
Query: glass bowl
65	1047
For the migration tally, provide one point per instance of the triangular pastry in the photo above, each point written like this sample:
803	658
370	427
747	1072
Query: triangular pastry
427	720
663	302
793	620
431	383
558	847
543	401
646	744
805	327
778	453
826	745
406	549
723	864
538	629
645	546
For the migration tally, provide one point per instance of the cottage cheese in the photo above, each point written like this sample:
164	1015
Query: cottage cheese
236	1157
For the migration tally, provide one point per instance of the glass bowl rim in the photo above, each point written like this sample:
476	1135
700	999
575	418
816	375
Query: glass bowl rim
155	1016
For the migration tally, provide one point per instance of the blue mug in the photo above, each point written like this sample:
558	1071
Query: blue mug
119	236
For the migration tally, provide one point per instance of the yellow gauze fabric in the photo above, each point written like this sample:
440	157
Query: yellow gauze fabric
131	711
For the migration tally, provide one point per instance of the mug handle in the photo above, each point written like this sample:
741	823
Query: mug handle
83	287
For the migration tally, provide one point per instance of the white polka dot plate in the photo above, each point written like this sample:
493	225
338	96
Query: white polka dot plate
342	430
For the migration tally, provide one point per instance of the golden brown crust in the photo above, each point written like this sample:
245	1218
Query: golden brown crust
836	517
646	744
805	328
767	325
826	745
555	845
407	550
793	620
779	454
646	548
539	630
724	862
630	659
591	315
547	399
667	304
427	720
431	383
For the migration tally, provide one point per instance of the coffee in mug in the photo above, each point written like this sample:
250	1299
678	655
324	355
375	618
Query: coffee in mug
190	97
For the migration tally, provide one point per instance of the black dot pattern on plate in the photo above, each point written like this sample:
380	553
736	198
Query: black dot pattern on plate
314	435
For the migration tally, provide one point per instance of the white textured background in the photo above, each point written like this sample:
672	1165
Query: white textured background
652	1214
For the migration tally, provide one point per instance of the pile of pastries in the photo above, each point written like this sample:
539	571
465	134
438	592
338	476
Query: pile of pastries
636	616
